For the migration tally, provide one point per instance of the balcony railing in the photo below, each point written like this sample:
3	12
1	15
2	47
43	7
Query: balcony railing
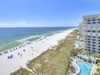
94	28
93	34
98	35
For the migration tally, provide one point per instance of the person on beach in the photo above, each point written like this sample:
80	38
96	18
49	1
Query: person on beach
21	55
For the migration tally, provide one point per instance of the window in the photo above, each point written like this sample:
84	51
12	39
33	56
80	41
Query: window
93	39
88	19
84	19
99	19
93	51
93	42
99	52
93	48
98	22
88	30
94	19
93	45
93	31
93	22
88	23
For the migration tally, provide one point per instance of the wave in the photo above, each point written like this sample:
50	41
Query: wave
31	37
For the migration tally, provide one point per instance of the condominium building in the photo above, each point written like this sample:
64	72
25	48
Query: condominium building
91	33
81	28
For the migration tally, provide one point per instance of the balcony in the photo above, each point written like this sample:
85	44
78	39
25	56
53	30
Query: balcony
88	28
93	34
98	19
89	50
93	22
93	48
94	42
89	34
99	52
93	19
93	51
94	28
98	22
98	28
98	35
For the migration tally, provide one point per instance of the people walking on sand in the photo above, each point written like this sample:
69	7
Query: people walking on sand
21	55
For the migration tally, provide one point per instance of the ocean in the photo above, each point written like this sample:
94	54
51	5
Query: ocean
12	37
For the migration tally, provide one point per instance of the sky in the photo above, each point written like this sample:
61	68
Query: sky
46	13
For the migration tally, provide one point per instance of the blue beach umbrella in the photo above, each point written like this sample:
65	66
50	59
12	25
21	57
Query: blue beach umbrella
0	53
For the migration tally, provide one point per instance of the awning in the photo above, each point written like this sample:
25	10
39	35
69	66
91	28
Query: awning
93	59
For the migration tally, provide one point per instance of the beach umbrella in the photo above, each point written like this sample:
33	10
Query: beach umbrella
0	53
6	51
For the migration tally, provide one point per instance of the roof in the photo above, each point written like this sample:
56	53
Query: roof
93	59
80	55
86	57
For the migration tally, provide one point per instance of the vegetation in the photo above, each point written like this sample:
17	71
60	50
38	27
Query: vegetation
22	71
98	72
75	52
54	61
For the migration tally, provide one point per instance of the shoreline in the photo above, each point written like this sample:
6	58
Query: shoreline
25	40
32	50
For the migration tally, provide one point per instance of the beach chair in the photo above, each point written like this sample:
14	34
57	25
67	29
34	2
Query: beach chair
5	52
18	53
11	56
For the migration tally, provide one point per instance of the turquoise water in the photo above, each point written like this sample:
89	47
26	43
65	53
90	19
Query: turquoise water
80	43
11	37
85	69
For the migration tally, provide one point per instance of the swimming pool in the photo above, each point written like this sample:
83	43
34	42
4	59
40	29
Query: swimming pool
85	69
80	43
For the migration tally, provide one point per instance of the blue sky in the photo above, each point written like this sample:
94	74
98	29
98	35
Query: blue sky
46	13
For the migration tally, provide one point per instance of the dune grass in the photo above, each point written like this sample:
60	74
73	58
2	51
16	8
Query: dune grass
22	71
54	61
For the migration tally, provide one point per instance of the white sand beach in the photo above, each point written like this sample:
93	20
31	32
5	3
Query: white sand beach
31	51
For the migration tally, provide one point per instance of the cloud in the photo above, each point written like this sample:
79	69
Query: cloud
21	23
15	24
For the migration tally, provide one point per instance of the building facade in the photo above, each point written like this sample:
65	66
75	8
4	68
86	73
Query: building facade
91	33
81	28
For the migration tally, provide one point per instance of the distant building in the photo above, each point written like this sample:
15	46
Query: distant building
91	33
